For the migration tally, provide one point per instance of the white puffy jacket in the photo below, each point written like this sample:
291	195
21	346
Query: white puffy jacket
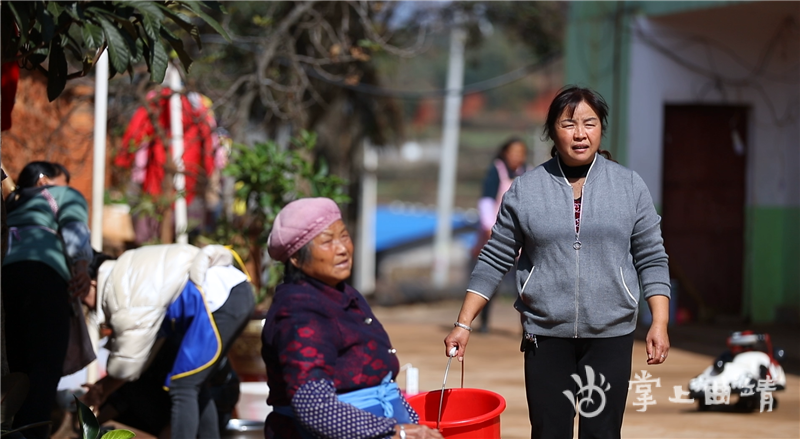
134	292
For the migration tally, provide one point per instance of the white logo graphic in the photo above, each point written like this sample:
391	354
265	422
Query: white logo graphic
747	390
679	396
766	387
589	391
644	388
714	393
717	394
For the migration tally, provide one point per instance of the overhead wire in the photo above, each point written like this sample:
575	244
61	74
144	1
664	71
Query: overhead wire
751	80
377	90
756	70
476	87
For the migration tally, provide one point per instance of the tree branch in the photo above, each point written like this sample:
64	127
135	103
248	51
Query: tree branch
374	36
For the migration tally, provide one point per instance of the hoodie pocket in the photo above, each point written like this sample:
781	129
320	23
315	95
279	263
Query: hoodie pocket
548	298
527	279
627	289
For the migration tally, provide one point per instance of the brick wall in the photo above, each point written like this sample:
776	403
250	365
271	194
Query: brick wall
59	131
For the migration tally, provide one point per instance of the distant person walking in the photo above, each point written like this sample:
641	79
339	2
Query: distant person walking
508	164
589	244
44	270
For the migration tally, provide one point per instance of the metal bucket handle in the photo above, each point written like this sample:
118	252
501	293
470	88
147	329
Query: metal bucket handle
450	356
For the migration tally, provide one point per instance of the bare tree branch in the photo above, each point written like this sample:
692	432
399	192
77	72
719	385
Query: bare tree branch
276	39
362	9
307	38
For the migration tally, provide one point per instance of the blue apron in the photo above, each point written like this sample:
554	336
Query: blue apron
189	318
383	400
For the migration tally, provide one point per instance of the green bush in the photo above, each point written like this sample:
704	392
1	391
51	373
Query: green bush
267	177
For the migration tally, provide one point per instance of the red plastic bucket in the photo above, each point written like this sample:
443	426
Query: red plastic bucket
466	413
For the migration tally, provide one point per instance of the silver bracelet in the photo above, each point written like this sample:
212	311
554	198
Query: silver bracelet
402	431
462	326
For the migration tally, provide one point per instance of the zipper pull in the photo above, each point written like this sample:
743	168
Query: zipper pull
535	344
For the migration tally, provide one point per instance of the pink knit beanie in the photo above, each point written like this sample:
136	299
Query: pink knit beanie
298	223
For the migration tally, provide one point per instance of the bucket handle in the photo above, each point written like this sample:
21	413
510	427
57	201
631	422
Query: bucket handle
462	371
463	361
451	354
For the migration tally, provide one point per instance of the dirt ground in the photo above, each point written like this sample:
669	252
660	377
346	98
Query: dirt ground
493	362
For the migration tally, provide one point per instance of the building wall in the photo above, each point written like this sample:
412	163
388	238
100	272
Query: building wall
644	55
60	131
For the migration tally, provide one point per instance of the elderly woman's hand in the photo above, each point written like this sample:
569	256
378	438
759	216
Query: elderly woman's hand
414	431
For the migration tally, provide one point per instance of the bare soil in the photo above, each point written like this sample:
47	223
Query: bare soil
493	362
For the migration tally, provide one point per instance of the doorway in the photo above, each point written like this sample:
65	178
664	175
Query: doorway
704	189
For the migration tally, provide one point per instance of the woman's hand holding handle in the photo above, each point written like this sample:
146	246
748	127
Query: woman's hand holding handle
457	339
459	335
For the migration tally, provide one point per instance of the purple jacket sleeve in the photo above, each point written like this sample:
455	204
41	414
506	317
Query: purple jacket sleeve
319	410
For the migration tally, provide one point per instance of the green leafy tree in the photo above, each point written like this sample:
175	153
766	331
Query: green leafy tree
296	65
267	177
50	35
291	61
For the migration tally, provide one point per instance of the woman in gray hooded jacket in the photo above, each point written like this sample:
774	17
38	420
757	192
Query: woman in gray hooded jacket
589	244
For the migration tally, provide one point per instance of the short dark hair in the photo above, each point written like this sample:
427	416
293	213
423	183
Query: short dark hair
97	260
568	99
30	174
303	255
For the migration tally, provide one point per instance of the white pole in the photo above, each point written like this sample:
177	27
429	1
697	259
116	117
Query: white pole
365	259
449	158
99	157
176	134
98	184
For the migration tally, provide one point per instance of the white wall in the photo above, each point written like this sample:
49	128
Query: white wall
756	53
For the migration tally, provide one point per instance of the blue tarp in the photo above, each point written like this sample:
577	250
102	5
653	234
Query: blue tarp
396	226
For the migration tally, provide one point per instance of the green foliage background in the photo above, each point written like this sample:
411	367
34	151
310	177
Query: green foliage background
267	177
52	34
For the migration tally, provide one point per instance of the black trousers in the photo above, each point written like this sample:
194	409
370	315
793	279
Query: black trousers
37	332
194	412
189	405
603	368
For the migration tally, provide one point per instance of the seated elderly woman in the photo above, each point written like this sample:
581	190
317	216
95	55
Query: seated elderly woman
329	361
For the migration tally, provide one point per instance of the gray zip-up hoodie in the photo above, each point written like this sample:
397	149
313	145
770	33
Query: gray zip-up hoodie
576	285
